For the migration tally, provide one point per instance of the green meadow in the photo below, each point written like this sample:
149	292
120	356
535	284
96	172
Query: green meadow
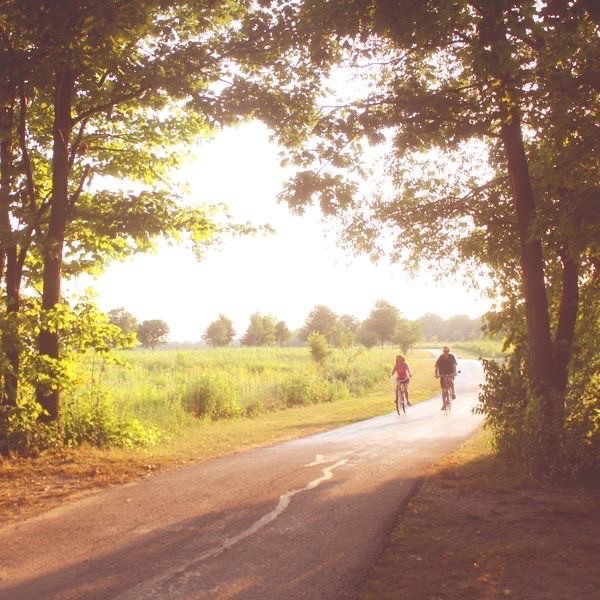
170	391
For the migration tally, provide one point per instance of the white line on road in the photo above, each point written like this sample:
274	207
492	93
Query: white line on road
179	575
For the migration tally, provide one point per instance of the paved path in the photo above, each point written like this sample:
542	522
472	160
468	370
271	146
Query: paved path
302	519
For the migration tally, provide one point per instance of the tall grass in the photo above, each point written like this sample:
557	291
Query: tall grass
169	388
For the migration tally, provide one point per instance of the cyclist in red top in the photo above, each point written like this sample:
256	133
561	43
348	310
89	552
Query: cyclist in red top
403	373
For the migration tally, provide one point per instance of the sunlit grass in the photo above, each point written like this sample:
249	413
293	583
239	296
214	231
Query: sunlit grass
154	386
201	439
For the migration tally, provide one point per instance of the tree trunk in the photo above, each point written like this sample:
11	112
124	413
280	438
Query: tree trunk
495	46
9	268
567	318
53	248
541	360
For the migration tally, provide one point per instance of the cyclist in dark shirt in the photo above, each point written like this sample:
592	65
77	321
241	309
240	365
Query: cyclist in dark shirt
446	365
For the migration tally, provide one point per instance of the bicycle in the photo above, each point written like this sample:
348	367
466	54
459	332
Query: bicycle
401	395
446	392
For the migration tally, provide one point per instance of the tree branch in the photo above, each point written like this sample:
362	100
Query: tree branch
86	114
30	186
77	142
84	176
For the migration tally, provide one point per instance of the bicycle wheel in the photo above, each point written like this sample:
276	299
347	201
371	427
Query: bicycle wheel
396	401
445	398
403	398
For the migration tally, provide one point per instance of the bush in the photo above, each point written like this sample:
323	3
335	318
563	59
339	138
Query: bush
302	390
504	402
255	408
89	419
92	419
21	432
521	434
319	347
213	397
582	429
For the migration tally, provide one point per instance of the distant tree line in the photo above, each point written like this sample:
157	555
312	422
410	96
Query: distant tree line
149	334
458	328
384	325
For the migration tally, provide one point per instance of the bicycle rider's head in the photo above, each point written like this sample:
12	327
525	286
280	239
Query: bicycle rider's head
399	358
446	350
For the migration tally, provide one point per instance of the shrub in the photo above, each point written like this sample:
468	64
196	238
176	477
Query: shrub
213	397
521	435
302	390
504	401
319	347
89	419
21	432
582	430
255	408
92	419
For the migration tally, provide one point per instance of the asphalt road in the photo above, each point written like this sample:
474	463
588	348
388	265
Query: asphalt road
302	519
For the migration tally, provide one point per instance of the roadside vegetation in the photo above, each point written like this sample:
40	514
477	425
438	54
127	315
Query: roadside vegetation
167	389
135	398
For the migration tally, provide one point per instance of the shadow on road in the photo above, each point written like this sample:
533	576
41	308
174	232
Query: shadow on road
172	562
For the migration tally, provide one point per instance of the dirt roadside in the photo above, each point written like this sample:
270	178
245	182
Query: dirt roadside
473	532
29	487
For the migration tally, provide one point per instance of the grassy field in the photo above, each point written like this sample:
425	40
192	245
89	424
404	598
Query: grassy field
169	389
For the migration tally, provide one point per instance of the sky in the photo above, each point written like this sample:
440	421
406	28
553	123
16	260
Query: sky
285	274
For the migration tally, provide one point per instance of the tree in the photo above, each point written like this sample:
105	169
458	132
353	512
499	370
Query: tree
123	319
260	332
219	333
112	91
383	320
454	328
322	320
406	334
448	78
282	333
462	327
152	333
431	325
348	325
365	336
